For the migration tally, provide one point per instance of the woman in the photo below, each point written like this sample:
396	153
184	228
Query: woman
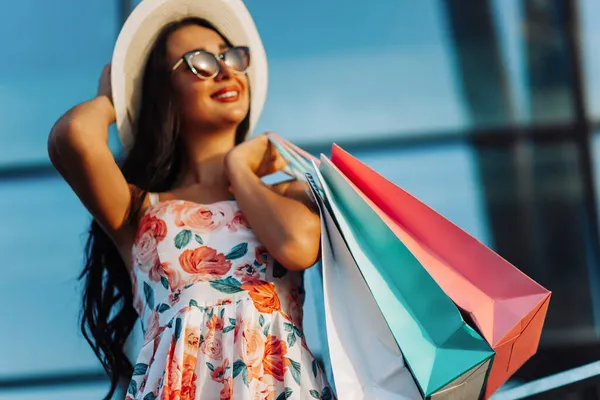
186	236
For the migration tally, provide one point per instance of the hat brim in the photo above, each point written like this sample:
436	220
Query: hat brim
139	33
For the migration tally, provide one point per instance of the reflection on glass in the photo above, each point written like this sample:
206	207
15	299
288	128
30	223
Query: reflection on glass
595	143
536	204
384	72
562	244
41	243
78	392
444	178
549	73
54	64
590	40
508	17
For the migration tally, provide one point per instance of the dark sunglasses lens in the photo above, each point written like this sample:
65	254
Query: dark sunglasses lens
237	58
205	64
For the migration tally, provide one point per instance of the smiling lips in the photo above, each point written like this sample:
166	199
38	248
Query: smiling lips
227	94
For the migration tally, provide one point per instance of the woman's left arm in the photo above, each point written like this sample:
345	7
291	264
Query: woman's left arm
283	218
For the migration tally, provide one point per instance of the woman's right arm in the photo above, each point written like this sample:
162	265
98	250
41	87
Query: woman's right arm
78	149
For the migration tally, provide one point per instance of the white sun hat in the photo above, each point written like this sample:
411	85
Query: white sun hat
140	31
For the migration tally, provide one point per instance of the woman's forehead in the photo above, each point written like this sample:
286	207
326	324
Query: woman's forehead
194	37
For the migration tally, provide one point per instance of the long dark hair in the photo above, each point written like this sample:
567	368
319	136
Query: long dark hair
153	164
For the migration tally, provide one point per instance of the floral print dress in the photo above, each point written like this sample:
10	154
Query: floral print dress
221	319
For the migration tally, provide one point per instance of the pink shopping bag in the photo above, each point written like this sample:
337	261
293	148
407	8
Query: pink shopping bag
506	306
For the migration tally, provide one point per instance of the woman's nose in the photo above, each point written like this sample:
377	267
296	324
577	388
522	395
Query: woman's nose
224	72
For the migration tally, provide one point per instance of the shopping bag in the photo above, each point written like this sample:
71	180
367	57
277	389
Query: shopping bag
314	319
445	352
447	358
360	355
365	359
507	307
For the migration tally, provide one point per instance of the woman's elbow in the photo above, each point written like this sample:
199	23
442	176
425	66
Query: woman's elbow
301	250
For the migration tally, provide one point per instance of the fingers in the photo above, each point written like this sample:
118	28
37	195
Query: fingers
104	85
106	71
279	162
272	162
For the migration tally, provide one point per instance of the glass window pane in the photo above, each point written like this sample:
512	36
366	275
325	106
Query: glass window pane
508	17
444	178
550	74
45	71
590	40
383	72
75	392
41	242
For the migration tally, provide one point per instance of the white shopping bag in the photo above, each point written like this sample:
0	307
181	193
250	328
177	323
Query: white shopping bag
366	361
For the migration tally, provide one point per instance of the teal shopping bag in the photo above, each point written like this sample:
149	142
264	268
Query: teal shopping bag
448	359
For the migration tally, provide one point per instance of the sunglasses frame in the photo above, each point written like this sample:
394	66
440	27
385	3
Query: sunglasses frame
187	58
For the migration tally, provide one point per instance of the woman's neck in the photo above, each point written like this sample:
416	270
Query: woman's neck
204	160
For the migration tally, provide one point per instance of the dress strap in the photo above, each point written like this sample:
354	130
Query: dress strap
153	197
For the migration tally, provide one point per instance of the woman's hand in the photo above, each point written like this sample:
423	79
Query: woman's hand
257	154
104	83
104	94
289	229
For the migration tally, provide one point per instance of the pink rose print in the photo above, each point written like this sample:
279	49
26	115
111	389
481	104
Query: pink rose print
205	262
174	297
173	376
246	273
227	391
154	348
192	341
294	305
153	329
146	256
261	255
238	323
253	350
151	231
238	222
137	302
264	388
173	276
156	272
154	226
212	347
200	218
143	384
215	324
218	375
188	380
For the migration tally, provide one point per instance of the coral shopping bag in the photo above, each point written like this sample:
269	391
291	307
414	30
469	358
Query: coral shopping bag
505	305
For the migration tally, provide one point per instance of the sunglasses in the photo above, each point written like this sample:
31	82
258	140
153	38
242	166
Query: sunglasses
206	65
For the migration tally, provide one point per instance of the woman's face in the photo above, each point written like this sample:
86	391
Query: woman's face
199	100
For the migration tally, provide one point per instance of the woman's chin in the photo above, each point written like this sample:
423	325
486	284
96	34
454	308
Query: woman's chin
233	117
221	117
